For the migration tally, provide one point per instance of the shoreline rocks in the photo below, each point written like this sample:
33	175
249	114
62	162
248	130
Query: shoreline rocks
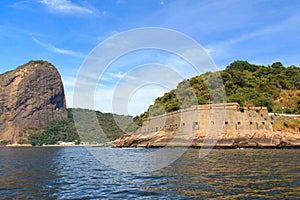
275	140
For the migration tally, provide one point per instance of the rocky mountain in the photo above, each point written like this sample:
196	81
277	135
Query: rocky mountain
31	97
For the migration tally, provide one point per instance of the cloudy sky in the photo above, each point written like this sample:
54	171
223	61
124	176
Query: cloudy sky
64	32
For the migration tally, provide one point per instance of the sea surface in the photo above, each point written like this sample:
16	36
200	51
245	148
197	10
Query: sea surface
73	173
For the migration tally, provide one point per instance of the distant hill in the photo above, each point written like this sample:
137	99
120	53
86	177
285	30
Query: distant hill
274	86
66	131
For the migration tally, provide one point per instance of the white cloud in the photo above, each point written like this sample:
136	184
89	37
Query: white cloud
54	49
120	75
117	75
66	7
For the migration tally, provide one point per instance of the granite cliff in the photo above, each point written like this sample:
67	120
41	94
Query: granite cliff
31	97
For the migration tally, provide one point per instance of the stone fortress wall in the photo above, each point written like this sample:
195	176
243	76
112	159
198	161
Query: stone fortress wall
202	118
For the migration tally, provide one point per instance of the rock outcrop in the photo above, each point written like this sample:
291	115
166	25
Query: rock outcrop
259	139
31	97
215	125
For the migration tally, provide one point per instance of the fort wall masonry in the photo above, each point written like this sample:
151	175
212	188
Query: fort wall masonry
203	118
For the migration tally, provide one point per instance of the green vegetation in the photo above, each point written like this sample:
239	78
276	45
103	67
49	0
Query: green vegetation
5	142
289	125
63	130
23	141
245	83
66	131
107	127
288	102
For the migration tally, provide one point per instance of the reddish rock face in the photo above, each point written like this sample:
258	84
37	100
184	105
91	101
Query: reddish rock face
31	97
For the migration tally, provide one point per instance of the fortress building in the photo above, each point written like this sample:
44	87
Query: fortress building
225	118
223	125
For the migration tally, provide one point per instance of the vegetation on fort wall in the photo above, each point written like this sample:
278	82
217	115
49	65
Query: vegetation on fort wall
291	126
66	131
245	83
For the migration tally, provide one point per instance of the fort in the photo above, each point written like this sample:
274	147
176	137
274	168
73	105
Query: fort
226	117
227	124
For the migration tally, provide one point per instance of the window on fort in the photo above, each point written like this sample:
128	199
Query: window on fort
250	123
263	123
212	122
239	123
170	125
195	123
261	115
266	119
183	124
226	122
257	111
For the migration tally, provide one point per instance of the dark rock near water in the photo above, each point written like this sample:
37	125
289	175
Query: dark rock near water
31	97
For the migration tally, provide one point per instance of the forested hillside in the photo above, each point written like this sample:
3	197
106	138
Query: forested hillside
275	86
66	131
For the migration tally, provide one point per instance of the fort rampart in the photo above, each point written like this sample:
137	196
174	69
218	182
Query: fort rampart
228	116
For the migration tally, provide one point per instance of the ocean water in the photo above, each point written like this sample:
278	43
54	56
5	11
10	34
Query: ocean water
73	173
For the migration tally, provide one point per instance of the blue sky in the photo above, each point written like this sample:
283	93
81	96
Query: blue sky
64	32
